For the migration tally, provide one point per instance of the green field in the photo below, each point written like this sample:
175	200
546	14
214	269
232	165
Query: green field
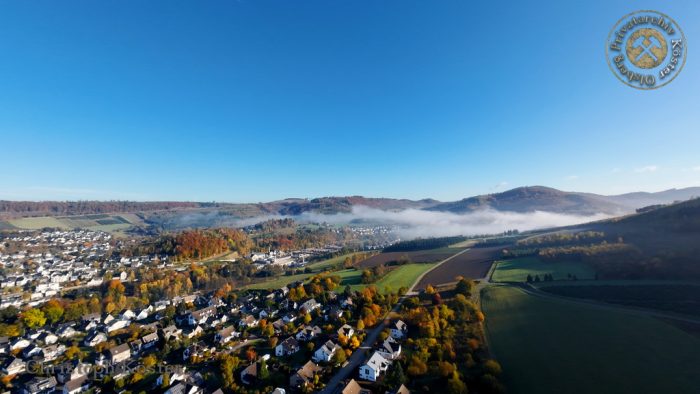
516	270
399	277
664	296
101	222
402	276
38	223
555	346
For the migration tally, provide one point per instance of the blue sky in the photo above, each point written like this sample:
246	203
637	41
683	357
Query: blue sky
257	100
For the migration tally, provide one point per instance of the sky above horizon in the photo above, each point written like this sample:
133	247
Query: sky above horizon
245	101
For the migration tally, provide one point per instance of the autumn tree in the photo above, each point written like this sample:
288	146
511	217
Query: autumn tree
33	318
53	310
227	366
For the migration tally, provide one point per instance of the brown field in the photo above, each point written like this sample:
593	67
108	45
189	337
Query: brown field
420	256
474	264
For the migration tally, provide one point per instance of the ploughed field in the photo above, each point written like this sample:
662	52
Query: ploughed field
550	345
474	264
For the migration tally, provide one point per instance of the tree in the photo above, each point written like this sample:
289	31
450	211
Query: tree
417	367
227	366
263	372
272	341
360	325
166	380
446	368
251	354
74	352
395	377
53	310
339	357
33	318
268	331
464	287
149	361
455	385
529	278
492	367
307	318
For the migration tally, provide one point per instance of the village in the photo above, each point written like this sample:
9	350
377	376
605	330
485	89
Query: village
308	338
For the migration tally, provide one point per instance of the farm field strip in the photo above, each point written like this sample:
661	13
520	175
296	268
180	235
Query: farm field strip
474	264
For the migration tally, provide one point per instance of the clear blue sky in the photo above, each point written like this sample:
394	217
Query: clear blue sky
256	100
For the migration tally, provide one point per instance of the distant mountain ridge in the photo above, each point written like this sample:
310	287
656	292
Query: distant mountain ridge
521	199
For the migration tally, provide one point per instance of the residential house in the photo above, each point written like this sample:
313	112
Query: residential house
309	306
308	333
119	353
192	332
72	370
354	388
226	334
19	343
287	347
248	321
149	340
47	338
31	351
304	375
13	366
171	331
40	385
289	318
77	385
52	352
116	324
346	330
390	349
144	313
334	313
374	367
200	316
93	338
401	390
66	331
183	388
399	329
250	374
326	352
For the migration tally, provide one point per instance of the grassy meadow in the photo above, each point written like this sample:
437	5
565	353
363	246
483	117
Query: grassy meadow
555	346
516	270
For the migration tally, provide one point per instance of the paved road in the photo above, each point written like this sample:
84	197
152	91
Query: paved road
358	356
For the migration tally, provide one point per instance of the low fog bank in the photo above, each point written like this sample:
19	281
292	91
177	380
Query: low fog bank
414	223
411	223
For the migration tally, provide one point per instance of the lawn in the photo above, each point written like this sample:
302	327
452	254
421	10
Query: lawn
516	270
555	346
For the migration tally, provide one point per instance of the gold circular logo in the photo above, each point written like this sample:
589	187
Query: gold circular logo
646	48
